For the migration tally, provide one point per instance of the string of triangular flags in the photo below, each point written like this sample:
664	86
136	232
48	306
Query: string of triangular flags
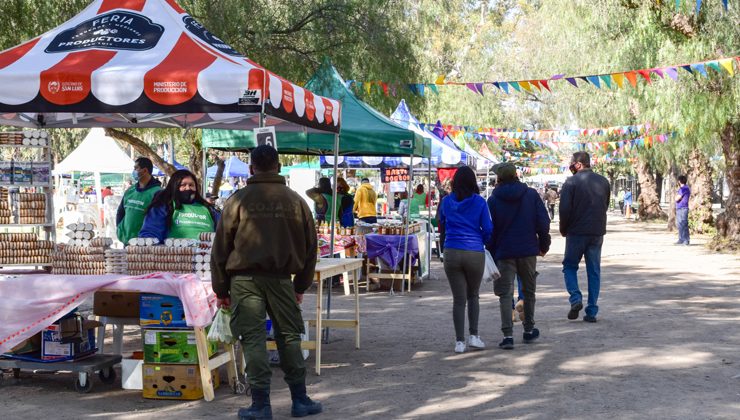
582	134
617	80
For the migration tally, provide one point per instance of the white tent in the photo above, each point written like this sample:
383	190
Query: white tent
97	153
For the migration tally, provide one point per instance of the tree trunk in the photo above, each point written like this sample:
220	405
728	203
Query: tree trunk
142	148
700	182
220	165
649	203
195	163
672	188
728	223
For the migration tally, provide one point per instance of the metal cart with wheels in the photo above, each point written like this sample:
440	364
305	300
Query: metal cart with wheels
85	368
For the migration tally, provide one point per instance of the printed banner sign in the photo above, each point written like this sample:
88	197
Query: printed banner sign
118	30
201	32
394	175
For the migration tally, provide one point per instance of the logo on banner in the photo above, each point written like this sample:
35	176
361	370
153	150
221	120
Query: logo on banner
112	31
55	87
201	32
394	175
251	97
169	87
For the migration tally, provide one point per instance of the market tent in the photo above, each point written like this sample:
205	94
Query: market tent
87	156
364	130
443	151
176	164
233	168
147	63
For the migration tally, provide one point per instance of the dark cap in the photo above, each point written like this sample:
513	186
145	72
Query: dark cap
505	170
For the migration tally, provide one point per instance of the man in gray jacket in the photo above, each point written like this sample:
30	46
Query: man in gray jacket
584	200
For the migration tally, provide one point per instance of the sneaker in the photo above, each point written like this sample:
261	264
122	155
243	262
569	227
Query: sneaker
507	343
459	347
475	342
589	318
574	309
530	336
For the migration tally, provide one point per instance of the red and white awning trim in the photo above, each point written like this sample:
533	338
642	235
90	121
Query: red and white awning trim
146	57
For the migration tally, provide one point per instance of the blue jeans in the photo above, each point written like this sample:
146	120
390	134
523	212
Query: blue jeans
576	247
682	223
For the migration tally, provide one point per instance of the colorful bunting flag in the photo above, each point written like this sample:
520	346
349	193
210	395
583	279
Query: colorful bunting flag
727	64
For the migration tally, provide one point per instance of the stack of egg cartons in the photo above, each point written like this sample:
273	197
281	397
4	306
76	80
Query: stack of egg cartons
24	249
83	254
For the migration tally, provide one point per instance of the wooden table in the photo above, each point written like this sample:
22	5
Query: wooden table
326	268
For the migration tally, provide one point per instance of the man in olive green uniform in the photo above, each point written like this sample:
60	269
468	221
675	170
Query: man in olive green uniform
131	211
265	235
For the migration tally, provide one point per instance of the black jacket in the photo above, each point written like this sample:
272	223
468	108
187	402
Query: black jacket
584	200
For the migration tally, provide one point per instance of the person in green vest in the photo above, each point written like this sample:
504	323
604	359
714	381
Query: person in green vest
179	211
136	199
417	201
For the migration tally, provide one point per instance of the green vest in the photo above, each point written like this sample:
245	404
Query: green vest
190	221
414	204
135	203
330	204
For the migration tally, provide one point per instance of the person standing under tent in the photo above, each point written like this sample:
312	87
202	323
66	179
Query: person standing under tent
267	235
418	200
521	234
365	202
345	210
179	211
682	211
445	190
322	198
468	227
584	201
620	200
136	200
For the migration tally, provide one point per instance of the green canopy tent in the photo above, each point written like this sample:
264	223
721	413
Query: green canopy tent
363	132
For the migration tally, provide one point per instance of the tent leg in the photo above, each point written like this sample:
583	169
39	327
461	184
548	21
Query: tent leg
406	261
204	170
429	222
99	200
333	230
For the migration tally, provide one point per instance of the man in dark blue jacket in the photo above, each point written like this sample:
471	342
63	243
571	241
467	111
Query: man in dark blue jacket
521	233
584	200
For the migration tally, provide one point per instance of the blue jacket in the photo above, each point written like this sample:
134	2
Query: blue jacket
521	220
156	224
467	223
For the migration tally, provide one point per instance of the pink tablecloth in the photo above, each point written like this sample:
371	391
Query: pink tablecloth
30	303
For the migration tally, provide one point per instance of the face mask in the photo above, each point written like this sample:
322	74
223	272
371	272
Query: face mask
573	169
135	176
186	197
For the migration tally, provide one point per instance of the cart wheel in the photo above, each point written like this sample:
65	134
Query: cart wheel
83	389
107	376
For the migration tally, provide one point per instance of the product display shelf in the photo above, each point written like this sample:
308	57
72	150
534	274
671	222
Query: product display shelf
45	230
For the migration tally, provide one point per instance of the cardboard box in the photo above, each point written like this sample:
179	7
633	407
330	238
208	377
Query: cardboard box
160	311
22	173
116	303
41	172
6	172
68	339
174	382
29	345
131	374
172	346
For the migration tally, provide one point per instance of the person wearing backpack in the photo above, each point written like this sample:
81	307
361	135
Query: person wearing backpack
521	233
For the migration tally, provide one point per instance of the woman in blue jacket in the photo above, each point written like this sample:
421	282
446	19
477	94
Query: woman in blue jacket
467	223
179	211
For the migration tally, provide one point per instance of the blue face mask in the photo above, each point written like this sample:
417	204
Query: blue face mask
135	176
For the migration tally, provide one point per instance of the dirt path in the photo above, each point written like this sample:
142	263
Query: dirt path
667	345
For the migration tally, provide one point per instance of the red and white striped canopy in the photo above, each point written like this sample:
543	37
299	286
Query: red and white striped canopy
147	63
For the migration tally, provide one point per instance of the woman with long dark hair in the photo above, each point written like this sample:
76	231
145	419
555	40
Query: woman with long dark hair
465	218
322	197
179	210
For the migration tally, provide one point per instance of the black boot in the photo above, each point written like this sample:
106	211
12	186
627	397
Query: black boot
260	408
302	405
